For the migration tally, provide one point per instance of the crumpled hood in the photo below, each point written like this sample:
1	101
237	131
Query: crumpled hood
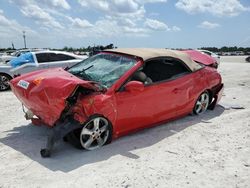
44	92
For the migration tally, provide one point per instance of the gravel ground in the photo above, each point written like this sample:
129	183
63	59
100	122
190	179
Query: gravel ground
210	150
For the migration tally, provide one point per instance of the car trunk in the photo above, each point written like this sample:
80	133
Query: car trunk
200	57
44	92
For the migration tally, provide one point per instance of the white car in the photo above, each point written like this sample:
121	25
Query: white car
6	57
32	61
212	54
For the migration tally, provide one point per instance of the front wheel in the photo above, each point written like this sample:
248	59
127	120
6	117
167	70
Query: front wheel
201	104
96	132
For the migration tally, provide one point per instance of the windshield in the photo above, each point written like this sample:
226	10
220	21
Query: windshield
103	68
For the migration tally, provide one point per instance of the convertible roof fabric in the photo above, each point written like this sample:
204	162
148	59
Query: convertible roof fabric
149	53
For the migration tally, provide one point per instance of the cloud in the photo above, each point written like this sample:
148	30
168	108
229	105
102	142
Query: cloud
128	8
125	8
118	18
175	28
57	3
151	1
208	25
10	28
113	28
30	9
215	7
41	16
81	23
155	25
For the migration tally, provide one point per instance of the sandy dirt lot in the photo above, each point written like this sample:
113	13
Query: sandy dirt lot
210	150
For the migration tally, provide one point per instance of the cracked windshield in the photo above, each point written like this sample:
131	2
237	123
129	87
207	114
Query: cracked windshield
103	68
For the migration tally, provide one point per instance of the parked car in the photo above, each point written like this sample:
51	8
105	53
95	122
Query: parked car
212	54
31	61
5	58
9	55
116	92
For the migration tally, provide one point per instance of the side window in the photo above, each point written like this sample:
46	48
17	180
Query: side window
164	69
53	57
64	57
60	57
42	57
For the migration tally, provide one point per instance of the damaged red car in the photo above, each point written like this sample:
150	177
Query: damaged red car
116	92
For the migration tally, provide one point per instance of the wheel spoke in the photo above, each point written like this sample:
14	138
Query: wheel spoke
198	108
100	141
88	143
198	103
103	128
2	87
86	131
96	123
6	83
203	97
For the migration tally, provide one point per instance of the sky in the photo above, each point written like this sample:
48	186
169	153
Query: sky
125	23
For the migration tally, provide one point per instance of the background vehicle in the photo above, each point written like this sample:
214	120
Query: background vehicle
31	61
212	54
13	54
116	92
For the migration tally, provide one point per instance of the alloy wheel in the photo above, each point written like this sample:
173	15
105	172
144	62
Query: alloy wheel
4	82
95	133
202	103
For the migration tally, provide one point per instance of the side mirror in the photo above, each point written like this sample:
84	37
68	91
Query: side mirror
133	86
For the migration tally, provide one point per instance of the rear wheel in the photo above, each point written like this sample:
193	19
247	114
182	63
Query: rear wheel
96	132
202	103
4	82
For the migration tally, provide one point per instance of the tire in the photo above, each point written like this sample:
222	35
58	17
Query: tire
201	103
248	59
4	82
97	130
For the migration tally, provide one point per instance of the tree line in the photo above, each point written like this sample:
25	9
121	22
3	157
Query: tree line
111	46
227	49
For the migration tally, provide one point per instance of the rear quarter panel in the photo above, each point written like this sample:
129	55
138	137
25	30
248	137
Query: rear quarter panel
204	79
209	78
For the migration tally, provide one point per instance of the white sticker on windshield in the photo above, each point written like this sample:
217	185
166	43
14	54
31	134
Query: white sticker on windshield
23	84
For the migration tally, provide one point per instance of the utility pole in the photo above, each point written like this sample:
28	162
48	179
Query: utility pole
13	47
24	39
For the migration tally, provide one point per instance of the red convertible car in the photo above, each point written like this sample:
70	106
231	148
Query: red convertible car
116	92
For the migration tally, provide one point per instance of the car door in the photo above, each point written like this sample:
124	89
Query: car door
165	98
144	108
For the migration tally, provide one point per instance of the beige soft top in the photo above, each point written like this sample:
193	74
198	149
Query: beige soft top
149	53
